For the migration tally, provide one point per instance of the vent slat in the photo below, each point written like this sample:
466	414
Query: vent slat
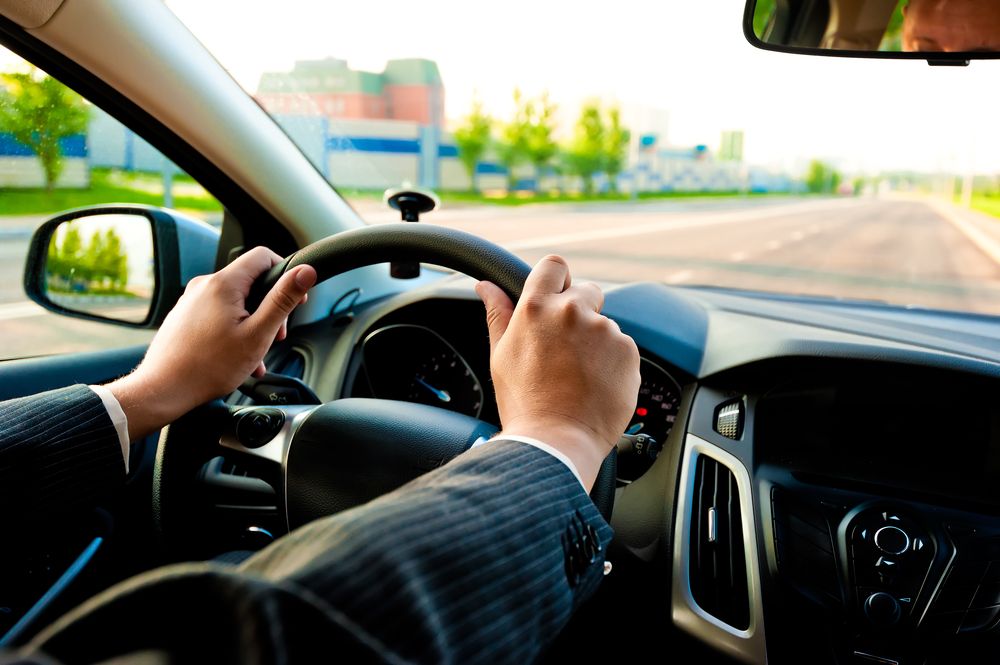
718	569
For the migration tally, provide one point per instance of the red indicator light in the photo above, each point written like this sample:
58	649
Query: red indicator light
641	411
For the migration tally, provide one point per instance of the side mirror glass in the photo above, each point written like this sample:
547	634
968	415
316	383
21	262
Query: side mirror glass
102	265
124	264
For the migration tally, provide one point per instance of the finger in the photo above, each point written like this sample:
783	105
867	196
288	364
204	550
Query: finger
259	371
282	299
282	331
253	264
550	275
499	309
588	294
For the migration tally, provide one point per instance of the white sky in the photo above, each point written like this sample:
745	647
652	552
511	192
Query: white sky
686	59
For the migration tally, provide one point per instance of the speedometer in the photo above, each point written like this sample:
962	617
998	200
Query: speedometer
415	364
658	403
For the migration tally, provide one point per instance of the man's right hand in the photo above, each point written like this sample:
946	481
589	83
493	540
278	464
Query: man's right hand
563	373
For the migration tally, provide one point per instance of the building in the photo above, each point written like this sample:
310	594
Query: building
408	89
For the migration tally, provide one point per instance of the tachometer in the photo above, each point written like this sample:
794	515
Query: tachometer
659	400
415	364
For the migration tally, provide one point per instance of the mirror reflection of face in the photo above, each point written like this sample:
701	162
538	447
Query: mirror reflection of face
951	25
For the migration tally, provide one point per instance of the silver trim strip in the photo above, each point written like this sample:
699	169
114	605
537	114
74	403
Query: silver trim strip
276	449
746	645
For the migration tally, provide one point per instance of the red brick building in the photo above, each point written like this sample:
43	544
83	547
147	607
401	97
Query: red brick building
408	89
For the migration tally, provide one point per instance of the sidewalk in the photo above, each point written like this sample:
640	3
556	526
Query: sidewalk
20	226
981	229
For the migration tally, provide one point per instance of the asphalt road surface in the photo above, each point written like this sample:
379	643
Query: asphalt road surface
896	250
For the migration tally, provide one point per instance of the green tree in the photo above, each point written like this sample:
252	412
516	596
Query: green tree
114	260
512	147
39	111
473	139
616	139
584	156
821	178
540	145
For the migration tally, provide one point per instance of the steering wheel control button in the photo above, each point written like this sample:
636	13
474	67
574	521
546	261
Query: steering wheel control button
258	425
882	609
892	540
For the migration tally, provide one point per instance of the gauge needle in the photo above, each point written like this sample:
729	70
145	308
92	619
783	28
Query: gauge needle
635	429
440	394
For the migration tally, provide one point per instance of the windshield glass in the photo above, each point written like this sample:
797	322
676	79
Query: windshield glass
643	141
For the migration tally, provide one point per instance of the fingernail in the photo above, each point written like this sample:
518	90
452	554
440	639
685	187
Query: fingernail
302	279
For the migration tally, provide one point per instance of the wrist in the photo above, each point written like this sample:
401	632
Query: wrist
584	447
148	404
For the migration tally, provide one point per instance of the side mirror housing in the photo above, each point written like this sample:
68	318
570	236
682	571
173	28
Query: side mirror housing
125	264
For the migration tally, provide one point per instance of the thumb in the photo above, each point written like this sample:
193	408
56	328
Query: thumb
499	309
282	299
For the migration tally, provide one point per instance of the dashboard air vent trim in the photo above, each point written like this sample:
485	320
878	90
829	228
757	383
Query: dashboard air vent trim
747	645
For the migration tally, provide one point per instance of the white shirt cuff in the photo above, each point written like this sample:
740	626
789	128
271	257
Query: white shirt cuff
118	418
541	445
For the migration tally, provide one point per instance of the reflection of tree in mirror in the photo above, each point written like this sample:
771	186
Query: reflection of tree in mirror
763	13
98	267
892	40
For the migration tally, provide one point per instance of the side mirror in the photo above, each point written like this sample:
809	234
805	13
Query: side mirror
124	264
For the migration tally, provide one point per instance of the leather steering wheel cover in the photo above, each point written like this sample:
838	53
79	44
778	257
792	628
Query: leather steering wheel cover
403	242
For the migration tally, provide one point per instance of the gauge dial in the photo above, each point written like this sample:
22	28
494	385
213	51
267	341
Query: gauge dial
445	380
659	400
415	364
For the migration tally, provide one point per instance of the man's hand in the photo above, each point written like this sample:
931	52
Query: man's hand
563	373
209	344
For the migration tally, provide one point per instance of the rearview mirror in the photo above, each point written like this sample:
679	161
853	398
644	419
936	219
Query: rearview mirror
124	264
943	32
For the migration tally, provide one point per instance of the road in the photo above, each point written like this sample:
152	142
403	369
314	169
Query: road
896	250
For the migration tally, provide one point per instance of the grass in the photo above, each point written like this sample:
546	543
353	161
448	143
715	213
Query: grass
988	204
107	186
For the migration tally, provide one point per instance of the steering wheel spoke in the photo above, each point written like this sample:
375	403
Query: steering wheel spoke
265	432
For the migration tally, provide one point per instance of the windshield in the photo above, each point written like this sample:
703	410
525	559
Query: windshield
642	141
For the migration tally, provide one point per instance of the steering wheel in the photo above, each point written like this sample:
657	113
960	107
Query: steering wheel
327	458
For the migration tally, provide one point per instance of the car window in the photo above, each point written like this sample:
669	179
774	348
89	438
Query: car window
59	151
643	141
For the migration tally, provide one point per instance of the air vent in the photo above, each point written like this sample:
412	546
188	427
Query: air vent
717	559
729	419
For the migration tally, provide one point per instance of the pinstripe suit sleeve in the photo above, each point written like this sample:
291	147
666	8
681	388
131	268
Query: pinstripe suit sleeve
466	564
57	449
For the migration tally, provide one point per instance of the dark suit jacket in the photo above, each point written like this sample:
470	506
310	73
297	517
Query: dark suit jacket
482	560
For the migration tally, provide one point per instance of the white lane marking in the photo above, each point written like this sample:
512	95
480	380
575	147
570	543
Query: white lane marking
678	277
988	244
19	310
704	219
736	257
774	244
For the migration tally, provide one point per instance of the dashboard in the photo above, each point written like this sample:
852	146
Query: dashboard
436	352
822	480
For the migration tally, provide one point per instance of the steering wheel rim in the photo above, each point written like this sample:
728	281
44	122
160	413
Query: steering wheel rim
177	460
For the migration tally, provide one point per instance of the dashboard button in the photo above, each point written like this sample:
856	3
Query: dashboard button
882	609
892	540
